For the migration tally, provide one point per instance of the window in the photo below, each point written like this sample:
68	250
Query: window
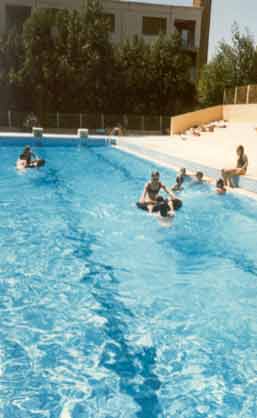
186	29
16	16
111	21
154	25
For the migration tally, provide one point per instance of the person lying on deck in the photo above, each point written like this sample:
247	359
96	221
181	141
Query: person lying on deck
240	170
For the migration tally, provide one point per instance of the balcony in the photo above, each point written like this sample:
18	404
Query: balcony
186	30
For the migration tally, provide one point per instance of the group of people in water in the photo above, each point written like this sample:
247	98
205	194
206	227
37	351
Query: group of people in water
153	202
28	159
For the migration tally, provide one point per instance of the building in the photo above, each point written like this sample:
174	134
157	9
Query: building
129	18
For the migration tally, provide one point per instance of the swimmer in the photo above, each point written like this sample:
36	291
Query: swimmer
28	159
199	177
27	155
150	197
220	186
182	172
177	187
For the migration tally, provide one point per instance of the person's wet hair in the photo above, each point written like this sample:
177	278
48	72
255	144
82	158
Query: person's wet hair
199	174
177	203
220	184
179	180
155	174
182	171
164	209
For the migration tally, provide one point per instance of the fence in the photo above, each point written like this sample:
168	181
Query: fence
240	95
93	122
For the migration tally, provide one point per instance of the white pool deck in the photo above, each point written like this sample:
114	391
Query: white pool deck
210	152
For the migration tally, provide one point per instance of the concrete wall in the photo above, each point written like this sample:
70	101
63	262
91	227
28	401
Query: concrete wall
240	113
182	122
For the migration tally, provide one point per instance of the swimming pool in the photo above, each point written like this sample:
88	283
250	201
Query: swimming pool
105	313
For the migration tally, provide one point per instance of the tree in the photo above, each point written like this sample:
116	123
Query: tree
171	85
233	65
66	63
11	58
133	60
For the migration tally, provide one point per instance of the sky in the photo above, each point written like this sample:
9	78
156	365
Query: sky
224	13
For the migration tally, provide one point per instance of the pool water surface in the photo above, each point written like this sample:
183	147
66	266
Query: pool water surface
104	312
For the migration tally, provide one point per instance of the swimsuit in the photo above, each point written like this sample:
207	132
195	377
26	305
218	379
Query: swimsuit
152	193
242	162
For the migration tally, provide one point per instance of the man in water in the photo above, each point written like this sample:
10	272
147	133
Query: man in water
27	155
29	159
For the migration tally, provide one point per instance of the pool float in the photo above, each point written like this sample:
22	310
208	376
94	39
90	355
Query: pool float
37	163
22	164
162	206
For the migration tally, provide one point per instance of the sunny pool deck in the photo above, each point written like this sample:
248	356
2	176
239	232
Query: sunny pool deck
210	152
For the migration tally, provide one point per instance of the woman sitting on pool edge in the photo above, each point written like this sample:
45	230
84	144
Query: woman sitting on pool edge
240	170
152	201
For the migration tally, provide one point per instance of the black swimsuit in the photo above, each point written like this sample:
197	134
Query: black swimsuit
153	192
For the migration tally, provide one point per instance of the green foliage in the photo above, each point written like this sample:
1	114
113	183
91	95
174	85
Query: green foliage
233	65
64	61
170	75
11	58
132	84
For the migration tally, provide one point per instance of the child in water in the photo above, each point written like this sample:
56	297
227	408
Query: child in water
199	177
220	186
177	187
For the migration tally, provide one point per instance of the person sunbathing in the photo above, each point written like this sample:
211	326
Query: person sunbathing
240	170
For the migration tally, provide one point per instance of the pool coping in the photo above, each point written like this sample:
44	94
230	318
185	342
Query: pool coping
21	138
248	185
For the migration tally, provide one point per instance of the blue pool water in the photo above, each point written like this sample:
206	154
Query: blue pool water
105	313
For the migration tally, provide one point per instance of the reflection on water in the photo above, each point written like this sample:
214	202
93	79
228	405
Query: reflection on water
104	313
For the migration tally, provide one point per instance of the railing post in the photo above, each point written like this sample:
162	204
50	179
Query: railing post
235	96
58	120
9	118
161	124
224	96
142	123
102	121
125	121
248	94
80	120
